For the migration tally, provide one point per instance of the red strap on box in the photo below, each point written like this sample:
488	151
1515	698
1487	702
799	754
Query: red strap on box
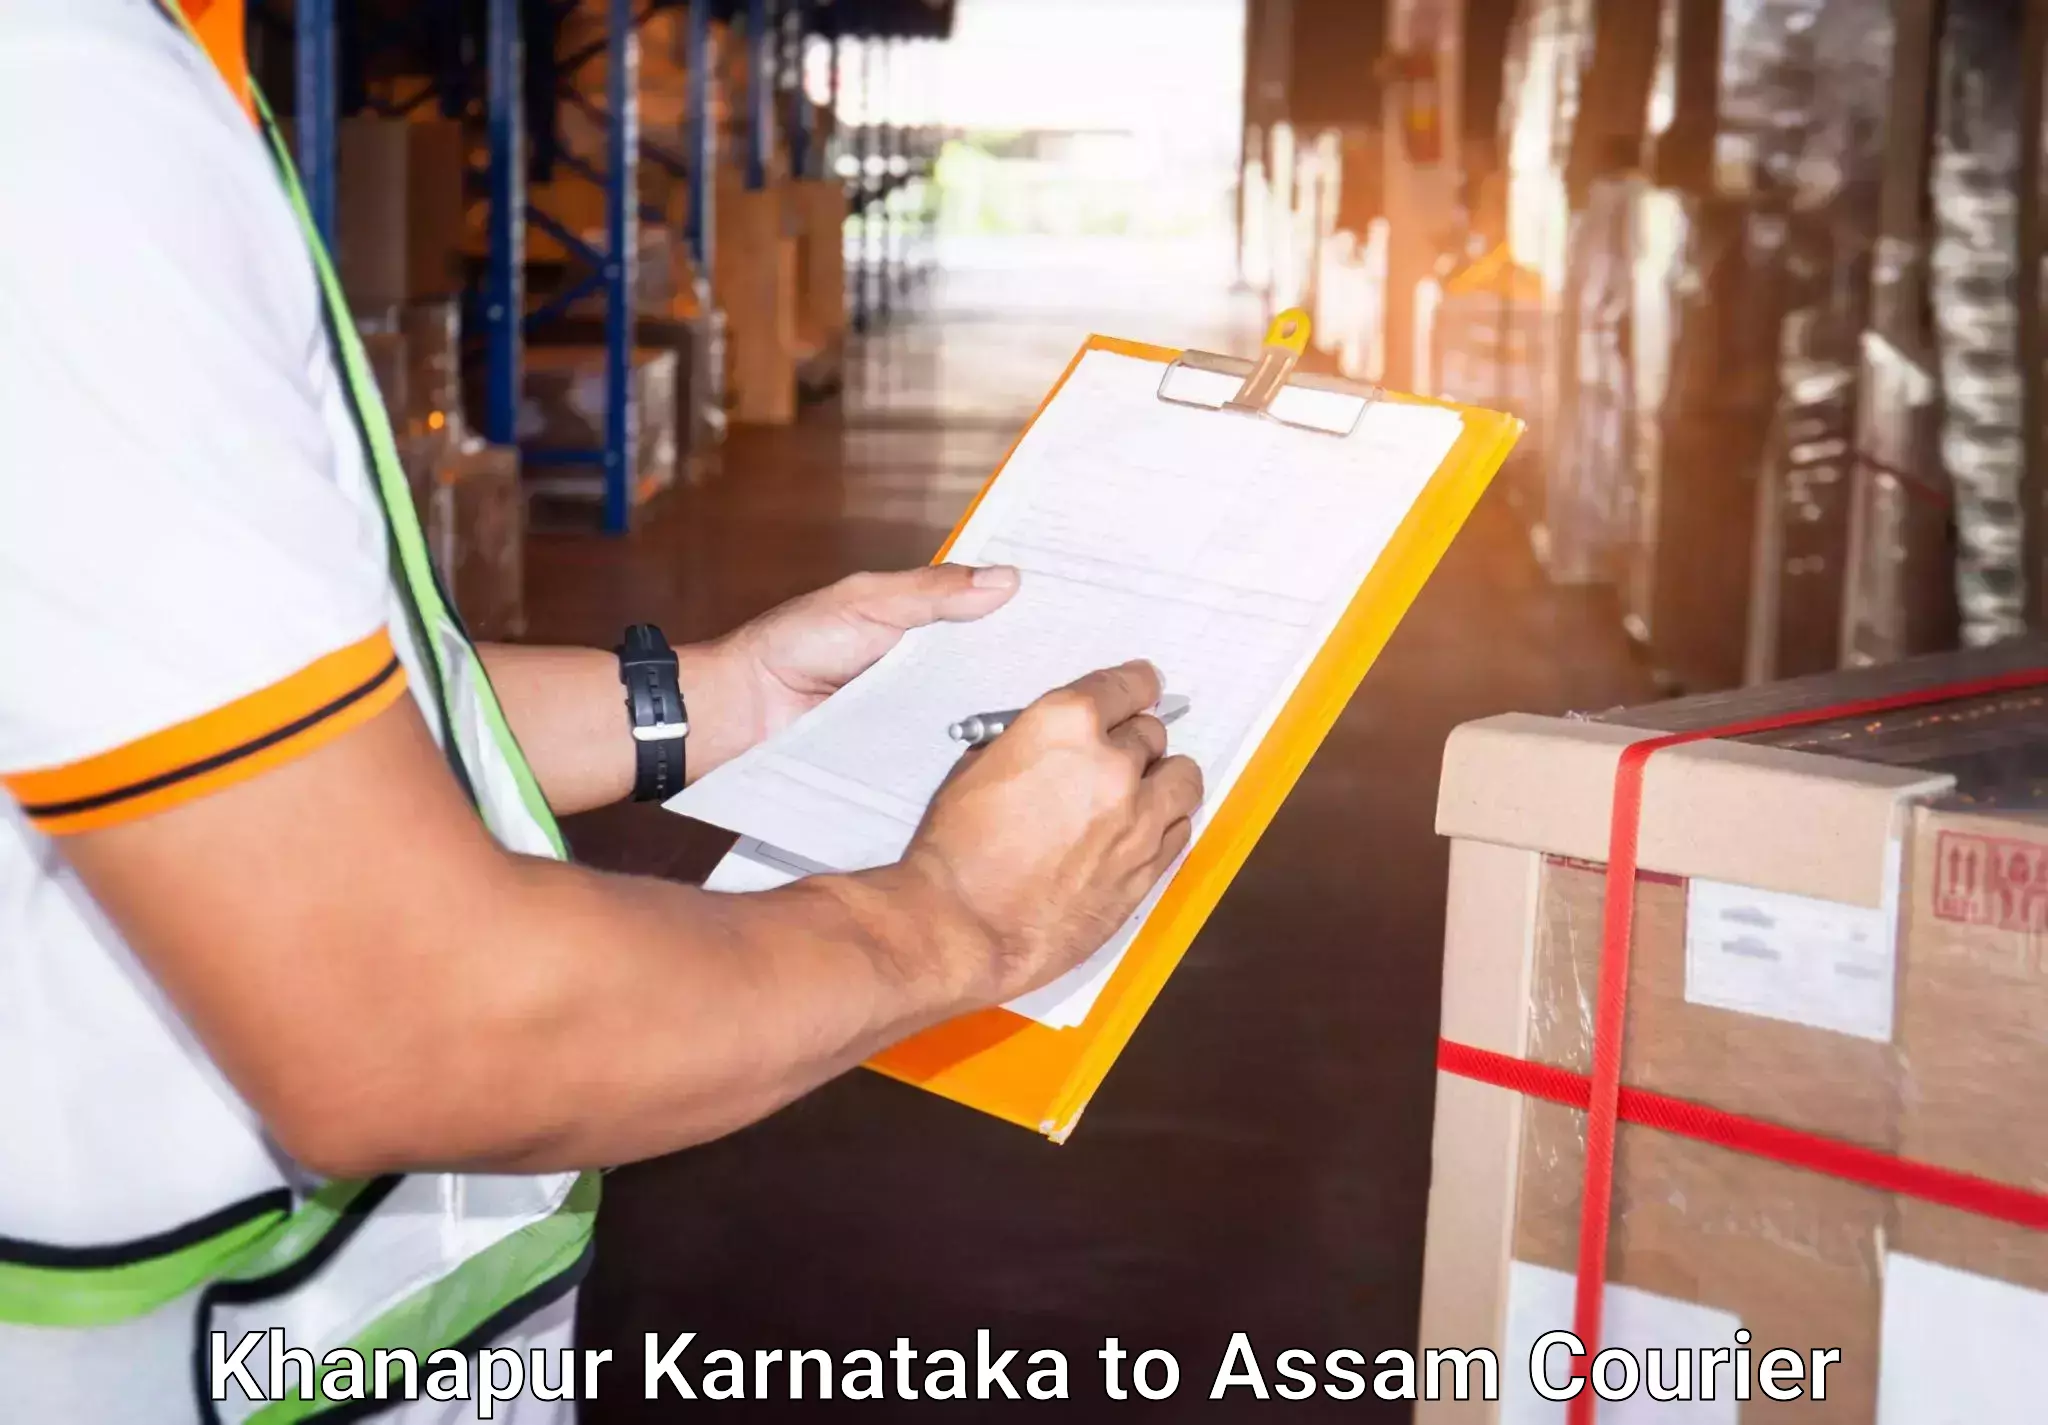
1982	1197
1601	1093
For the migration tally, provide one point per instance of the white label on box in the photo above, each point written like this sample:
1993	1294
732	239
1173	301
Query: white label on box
1540	1300
1959	1349
1796	958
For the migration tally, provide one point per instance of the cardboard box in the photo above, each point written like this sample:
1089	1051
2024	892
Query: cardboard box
755	276
820	209
1973	1027
371	218
437	162
1803	955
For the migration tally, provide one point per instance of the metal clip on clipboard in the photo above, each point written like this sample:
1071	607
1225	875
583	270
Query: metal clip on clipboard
1268	387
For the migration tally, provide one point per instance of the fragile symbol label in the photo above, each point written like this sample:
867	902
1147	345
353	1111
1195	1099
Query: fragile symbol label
1991	880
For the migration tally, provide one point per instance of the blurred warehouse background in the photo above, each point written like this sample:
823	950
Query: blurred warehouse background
1762	275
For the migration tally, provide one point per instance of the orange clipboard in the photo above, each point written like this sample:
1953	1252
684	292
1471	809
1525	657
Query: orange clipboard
1042	1078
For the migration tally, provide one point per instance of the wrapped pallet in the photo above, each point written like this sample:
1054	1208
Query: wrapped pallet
1975	284
1745	502
1899	598
1589	510
1819	140
1575	112
1828	1187
1688	581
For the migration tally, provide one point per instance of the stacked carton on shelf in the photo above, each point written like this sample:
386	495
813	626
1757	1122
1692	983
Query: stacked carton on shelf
756	279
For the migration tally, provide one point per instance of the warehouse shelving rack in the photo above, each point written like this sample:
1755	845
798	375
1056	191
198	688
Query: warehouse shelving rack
776	36
607	260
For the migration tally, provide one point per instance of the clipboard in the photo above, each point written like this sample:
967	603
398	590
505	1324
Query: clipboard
1042	1078
1041	1073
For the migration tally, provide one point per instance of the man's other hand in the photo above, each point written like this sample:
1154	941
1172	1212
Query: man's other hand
779	666
1051	835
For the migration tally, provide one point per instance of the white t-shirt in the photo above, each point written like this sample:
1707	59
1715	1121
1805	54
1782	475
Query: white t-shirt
194	587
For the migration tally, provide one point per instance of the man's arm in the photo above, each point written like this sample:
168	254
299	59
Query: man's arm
568	709
392	990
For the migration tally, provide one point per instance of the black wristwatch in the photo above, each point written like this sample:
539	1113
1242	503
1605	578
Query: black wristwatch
654	705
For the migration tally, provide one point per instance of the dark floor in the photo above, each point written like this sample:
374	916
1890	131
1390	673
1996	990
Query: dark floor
1258	1161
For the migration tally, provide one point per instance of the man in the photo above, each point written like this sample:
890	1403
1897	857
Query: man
303	1023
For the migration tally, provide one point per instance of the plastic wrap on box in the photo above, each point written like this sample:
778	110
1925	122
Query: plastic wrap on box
1974	266
562	407
1994	745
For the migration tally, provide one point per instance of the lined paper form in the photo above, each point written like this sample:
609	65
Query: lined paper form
1220	547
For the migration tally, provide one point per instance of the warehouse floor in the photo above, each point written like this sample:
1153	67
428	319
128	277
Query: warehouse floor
1259	1159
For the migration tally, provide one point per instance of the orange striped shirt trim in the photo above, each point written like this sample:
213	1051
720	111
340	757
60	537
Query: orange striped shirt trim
217	749
221	29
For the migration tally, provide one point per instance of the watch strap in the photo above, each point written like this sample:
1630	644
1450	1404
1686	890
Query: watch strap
659	721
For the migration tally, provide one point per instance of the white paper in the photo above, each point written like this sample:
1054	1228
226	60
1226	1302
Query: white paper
1960	1349
1540	1300
1795	958
750	866
1223	548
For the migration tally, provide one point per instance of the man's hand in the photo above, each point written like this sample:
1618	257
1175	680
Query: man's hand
1051	835
784	663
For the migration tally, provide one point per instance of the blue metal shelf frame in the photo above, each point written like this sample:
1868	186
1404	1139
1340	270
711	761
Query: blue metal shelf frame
314	70
504	292
699	162
803	122
611	262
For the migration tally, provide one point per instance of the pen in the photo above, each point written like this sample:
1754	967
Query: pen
984	727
